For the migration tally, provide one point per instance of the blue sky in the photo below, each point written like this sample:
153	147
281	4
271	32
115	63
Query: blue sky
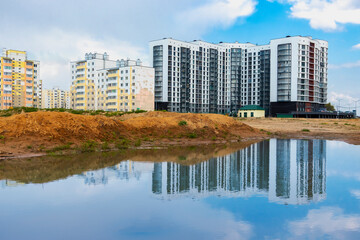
56	32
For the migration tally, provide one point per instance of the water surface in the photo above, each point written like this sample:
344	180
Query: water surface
276	189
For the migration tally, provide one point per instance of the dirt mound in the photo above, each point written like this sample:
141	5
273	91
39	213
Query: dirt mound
48	129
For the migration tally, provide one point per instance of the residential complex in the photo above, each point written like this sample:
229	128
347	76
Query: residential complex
126	87
220	78
84	78
56	98
20	85
298	74
102	84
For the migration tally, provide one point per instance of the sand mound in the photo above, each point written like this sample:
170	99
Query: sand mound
49	129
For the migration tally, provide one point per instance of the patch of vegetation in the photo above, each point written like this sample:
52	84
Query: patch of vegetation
60	148
2	137
213	138
29	147
122	144
305	130
88	146
182	123
105	146
182	158
336	123
269	133
138	143
192	135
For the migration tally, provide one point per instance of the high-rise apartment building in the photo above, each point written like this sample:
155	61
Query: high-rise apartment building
126	87
298	74
84	78
20	85
220	78
204	77
56	98
102	84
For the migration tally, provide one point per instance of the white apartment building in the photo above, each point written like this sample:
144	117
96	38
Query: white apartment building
220	78
298	74
84	76
128	86
111	85
56	98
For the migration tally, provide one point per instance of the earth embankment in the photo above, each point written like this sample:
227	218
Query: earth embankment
38	132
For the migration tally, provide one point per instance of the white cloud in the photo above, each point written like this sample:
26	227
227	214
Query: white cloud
56	48
355	193
221	13
345	65
326	221
346	101
328	15
357	46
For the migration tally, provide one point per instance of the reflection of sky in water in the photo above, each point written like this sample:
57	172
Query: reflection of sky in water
275	189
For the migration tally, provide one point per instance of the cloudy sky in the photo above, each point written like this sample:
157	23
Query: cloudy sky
56	32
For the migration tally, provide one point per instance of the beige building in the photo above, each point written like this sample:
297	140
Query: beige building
84	76
56	98
251	111
128	86
20	85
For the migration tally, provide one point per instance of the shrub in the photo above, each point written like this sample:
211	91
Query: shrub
122	144
88	146
182	123
192	135
305	130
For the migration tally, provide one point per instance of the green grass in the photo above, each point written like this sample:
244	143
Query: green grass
18	110
182	123
88	146
305	130
122	144
192	135
138	143
60	148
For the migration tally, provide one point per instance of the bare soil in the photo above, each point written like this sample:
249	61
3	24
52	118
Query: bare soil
35	133
347	130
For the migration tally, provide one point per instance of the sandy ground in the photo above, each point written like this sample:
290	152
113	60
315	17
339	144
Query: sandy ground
347	130
28	134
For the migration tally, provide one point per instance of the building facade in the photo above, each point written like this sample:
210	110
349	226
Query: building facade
84	77
102	84
128	86
221	78
56	98
298	75
20	85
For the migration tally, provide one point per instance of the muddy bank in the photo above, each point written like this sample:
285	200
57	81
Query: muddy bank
61	132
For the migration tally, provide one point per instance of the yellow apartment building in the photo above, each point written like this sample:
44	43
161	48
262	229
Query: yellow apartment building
20	85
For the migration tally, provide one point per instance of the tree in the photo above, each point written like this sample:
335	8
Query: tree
329	107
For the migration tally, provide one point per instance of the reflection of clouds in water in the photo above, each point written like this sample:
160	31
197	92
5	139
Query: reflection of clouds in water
344	173
330	221
195	221
336	144
355	193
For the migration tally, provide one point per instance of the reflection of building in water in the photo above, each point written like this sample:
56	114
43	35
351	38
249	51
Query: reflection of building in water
9	183
297	171
124	171
290	171
242	173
